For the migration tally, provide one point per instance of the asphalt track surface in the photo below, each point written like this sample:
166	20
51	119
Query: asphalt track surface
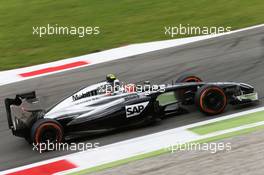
238	57
245	157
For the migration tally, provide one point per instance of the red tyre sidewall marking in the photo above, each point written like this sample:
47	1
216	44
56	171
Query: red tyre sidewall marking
209	110
189	79
195	79
38	132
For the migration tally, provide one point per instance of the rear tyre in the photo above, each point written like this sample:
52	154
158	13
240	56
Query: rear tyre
46	131
211	99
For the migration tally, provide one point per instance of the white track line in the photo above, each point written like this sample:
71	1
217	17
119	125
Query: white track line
141	145
11	76
153	142
148	142
252	125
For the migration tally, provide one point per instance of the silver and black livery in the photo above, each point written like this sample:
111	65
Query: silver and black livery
92	110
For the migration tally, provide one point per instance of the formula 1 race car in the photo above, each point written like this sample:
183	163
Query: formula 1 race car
104	107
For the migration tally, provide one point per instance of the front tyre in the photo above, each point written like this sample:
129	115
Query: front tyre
187	95
46	131
211	99
188	78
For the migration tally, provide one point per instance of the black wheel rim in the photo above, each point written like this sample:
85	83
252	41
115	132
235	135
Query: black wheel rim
49	134
214	100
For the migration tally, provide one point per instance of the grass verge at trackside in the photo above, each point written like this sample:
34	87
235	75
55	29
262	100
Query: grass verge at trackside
229	123
163	151
120	22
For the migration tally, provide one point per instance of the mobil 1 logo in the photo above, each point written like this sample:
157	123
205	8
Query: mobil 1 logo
136	109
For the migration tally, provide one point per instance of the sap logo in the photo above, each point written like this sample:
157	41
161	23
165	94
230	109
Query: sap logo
133	110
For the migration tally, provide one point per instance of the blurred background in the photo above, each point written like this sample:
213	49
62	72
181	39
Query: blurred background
121	23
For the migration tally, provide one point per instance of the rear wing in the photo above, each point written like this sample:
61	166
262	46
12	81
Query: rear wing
16	101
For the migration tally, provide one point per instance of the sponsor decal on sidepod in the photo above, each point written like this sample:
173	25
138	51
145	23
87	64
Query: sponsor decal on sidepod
133	110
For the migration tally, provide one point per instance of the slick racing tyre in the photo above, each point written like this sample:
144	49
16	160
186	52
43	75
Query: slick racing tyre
188	78
186	96
46	131
211	99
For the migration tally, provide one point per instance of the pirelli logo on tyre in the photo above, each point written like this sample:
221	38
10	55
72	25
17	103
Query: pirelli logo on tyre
136	109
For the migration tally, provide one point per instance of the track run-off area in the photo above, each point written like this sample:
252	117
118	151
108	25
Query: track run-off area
236	57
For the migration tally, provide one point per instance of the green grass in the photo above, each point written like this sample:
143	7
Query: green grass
229	123
163	151
166	98
120	22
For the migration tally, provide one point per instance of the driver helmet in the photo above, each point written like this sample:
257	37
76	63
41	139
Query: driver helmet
110	78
